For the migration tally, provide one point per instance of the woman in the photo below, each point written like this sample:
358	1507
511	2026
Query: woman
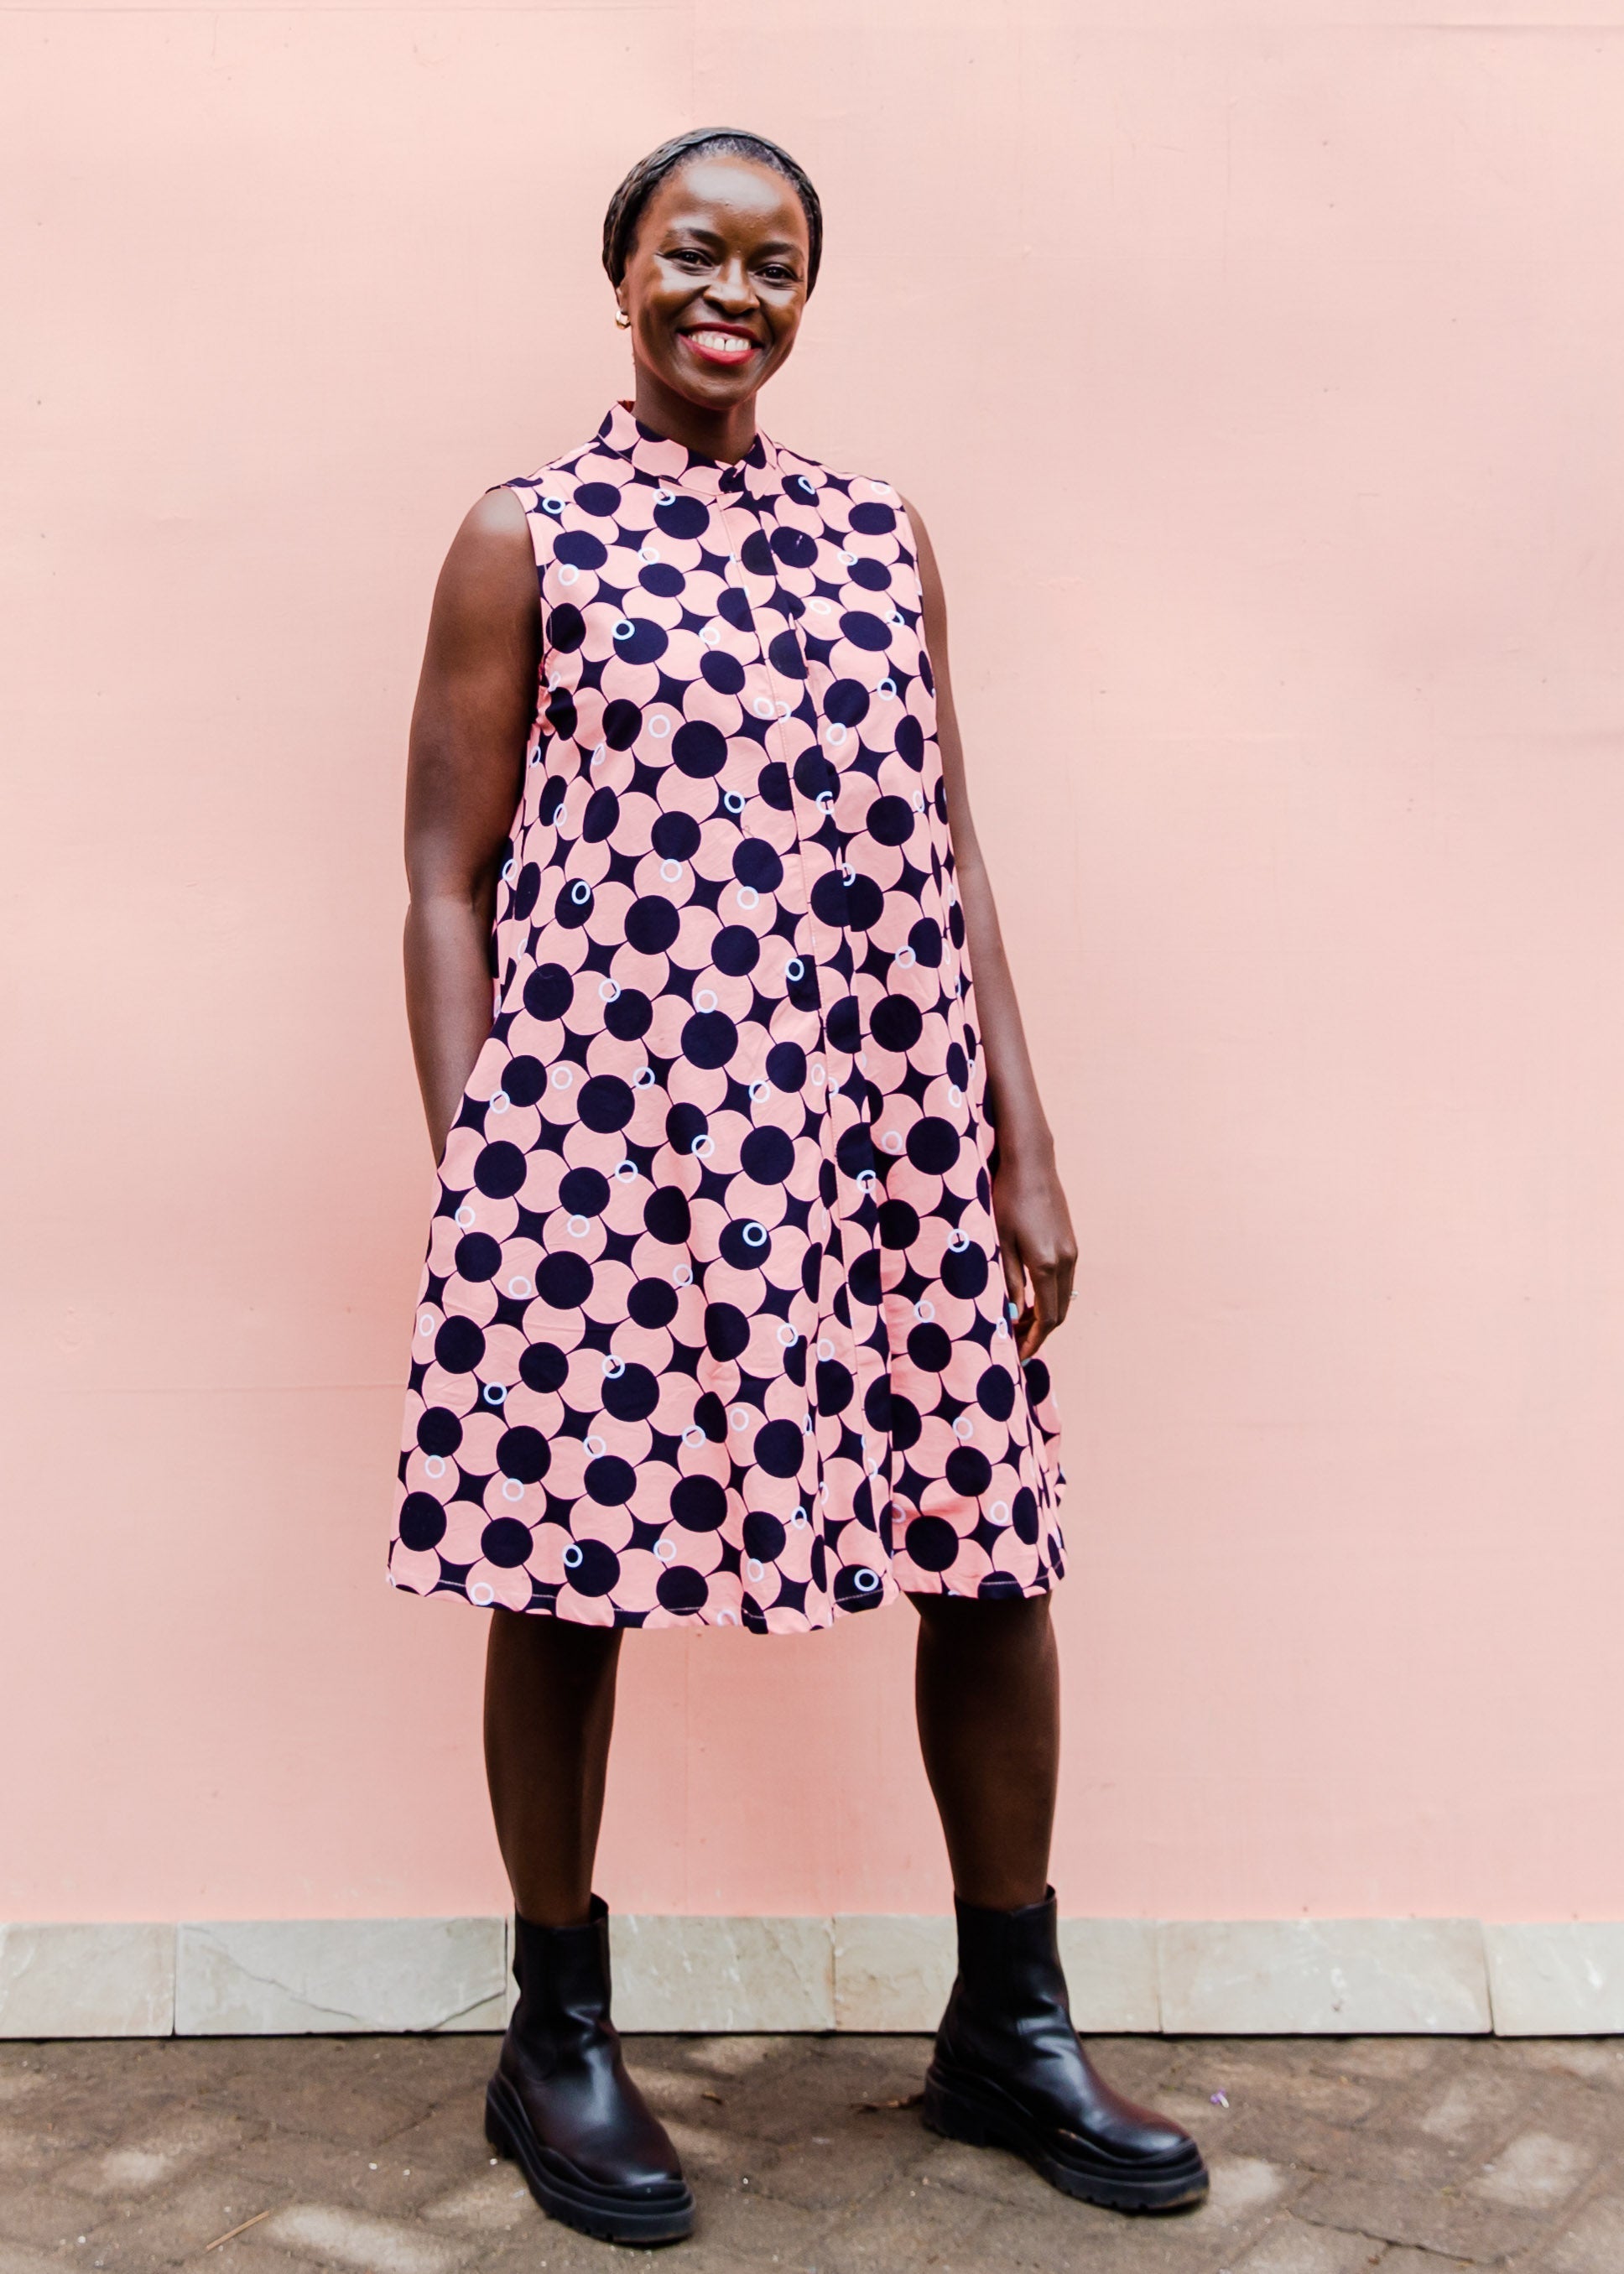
712	1330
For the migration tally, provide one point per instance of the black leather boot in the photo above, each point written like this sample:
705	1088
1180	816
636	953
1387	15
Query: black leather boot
561	2104
1010	2073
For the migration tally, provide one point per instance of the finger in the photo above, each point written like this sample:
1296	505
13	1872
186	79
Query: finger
1014	1278
1068	1274
1045	1300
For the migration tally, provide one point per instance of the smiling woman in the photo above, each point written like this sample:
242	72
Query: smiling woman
731	1309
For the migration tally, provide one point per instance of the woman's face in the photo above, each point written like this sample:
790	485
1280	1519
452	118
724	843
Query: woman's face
717	280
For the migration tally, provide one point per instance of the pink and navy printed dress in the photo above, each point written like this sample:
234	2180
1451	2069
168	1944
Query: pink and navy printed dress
714	1328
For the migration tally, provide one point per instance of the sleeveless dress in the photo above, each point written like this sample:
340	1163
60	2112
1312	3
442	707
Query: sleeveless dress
712	1329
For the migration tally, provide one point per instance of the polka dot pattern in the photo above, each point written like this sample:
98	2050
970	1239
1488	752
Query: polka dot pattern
711	1328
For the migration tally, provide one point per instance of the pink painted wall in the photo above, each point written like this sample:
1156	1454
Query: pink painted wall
1260	381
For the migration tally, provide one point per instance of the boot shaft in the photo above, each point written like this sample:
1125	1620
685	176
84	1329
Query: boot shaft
563	1976
1009	1961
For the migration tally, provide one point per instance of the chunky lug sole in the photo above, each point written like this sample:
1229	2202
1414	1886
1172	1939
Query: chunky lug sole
979	2112
663	2213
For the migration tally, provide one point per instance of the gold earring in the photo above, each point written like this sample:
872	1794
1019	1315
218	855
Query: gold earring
623	320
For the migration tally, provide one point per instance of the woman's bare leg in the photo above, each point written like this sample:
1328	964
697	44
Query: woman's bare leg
549	1713
987	1693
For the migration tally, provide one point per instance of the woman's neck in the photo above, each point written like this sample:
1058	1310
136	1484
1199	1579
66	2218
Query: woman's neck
724	434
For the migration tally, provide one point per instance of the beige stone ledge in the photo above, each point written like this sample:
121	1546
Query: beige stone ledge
289	1977
714	1974
74	1981
1561	1980
1323	1978
1300	1976
895	1973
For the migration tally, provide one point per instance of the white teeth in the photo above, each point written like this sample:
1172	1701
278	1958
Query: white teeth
721	342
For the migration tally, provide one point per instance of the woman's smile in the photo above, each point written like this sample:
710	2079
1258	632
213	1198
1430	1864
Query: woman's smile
721	343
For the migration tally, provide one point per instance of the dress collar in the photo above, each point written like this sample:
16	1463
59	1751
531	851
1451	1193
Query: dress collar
623	435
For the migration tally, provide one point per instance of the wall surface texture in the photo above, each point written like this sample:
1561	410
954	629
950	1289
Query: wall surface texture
1258	372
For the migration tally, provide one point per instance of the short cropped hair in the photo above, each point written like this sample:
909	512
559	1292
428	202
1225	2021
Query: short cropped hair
626	205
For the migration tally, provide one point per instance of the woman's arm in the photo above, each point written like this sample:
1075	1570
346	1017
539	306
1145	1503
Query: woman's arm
476	700
1034	1224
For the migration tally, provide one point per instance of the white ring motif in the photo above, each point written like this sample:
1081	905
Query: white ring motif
562	1077
500	1101
999	1511
508	869
597	1448
465	1216
434	1466
758	1090
600	752
494	1394
907	958
705	1000
891	1141
568	573
625	1172
644	1079
608	991
924	1310
579	892
648	552
748	897
683	1275
964	1428
762	705
624	628
788	1336
663	496
573	1558
426	1322
732	801
659	725
825	1348
756	1235
864	1580
887	687
578	1227
740	1417
664	1551
703	1144
670	870
693	1435
482	1593
552	505
612	1367
794	969
519	1288
835	732
754	1565
512	1489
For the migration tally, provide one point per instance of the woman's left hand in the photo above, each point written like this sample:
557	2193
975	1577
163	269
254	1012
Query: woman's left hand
1038	1245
